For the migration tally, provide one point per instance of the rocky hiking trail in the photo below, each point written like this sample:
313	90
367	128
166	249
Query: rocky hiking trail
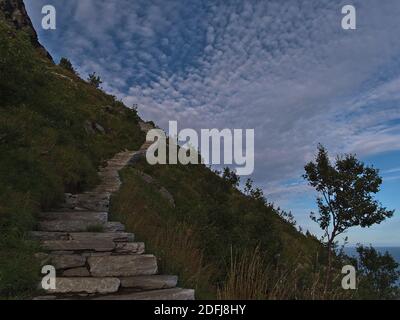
95	258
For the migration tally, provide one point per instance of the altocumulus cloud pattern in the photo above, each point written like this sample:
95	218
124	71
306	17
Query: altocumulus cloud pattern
285	68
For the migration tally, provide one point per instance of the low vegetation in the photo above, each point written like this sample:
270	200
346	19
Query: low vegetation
212	232
232	244
55	130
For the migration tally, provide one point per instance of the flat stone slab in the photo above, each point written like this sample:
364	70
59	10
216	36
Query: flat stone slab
69	225
93	204
46	235
76	272
114	227
76	245
110	236
122	266
86	285
95	217
149	282
67	261
45	298
166	294
130	248
96	201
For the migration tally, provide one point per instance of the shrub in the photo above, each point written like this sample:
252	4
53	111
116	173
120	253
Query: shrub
378	275
94	80
67	65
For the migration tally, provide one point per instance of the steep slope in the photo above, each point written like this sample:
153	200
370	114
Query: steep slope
94	257
14	12
56	130
200	226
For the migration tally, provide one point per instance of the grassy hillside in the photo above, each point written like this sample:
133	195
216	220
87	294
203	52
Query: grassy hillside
55	130
216	238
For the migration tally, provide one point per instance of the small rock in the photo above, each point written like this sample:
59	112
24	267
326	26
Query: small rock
88	127
99	128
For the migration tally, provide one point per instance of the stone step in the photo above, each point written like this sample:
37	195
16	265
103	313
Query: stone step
85	285
149	282
114	227
76	272
99	245
113	236
95	201
48	235
110	181
92	263
67	261
123	248
71	199
94	195
71	225
165	294
108	188
95	217
122	266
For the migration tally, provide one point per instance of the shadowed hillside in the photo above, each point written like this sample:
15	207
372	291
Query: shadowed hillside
56	129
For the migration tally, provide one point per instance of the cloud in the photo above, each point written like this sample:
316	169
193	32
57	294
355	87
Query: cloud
284	68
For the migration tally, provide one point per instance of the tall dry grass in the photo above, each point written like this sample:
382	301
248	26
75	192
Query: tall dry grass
250	278
145	213
176	244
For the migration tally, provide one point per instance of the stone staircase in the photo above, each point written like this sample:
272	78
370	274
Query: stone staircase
94	257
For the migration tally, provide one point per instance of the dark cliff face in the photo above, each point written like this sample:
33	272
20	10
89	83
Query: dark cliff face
15	13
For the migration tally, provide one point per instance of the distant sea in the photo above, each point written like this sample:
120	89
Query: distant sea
393	251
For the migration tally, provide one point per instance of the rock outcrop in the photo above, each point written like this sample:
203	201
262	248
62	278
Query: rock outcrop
14	12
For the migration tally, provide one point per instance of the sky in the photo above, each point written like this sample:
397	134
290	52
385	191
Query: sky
284	68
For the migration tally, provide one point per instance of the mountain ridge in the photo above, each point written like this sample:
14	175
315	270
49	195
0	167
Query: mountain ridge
15	12
57	129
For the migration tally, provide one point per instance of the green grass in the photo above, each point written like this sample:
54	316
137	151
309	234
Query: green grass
210	222
48	146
